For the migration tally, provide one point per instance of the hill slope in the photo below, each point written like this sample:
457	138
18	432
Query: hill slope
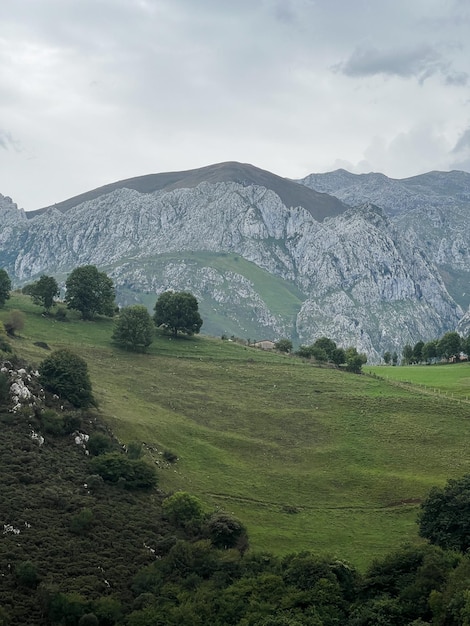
308	458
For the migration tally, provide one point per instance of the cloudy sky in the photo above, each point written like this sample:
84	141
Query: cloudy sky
94	91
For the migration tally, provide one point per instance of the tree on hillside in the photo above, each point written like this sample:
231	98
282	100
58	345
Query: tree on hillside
89	291
444	518
283	345
178	311
134	328
354	360
5	287
449	345
66	374
387	357
466	346
43	291
326	344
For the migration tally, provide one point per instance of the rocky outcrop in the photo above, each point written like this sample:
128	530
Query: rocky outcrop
260	268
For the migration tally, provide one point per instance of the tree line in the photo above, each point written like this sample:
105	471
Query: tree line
449	347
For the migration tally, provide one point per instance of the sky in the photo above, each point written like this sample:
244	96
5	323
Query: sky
96	91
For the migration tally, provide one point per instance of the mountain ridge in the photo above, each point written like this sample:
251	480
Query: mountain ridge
362	275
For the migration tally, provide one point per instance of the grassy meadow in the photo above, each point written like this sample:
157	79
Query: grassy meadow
307	457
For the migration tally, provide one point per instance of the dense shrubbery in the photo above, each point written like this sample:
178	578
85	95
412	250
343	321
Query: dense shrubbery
115	467
66	374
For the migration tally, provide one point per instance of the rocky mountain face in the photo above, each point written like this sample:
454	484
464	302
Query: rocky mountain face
434	208
266	257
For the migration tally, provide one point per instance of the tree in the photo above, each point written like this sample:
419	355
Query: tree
444	518
283	345
466	346
134	329
394	358
66	374
354	360
89	291
5	287
178	311
326	344
418	351
429	351
226	531
43	291
182	507
407	354
449	345
387	357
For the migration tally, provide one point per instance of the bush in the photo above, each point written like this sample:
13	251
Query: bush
226	531
27	574
66	374
98	443
14	322
52	423
81	522
114	467
182	507
169	456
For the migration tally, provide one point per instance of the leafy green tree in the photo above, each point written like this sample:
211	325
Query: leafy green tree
319	354
182	507
338	356
134	329
178	311
444	518
5	287
394	358
283	345
304	352
326	344
449	345
407	354
89	291
429	351
226	531
387	357
466	346
354	360
43	291
418	352
66	374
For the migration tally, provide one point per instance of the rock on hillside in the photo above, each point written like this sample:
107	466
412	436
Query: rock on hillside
261	268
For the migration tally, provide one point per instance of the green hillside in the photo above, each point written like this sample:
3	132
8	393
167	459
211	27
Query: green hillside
309	458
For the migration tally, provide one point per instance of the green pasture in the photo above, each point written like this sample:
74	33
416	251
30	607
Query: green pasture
451	379
309	458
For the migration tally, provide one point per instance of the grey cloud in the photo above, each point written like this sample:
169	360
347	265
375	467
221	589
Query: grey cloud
7	141
463	144
421	63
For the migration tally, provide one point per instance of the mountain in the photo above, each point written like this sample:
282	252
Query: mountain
265	256
433	207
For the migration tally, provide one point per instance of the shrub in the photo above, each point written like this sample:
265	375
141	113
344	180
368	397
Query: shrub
52	423
14	322
182	507
226	531
98	443
134	450
66	374
27	574
114	467
169	456
81	522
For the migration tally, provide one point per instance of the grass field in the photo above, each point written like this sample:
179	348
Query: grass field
451	379
309	458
